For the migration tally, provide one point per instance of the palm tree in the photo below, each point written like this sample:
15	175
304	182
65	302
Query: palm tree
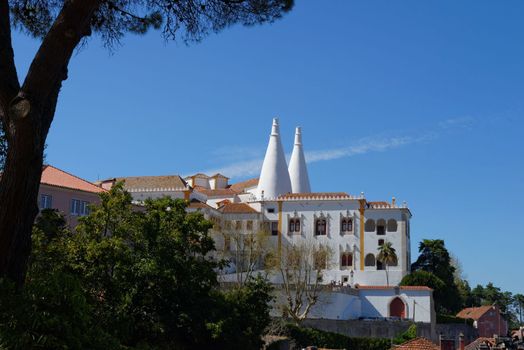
387	255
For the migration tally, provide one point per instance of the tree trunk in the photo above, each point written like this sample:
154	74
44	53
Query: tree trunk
26	113
18	196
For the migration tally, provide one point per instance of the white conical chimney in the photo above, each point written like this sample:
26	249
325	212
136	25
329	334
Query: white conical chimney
297	167
274	176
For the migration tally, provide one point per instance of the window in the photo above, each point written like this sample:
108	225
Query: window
238	225
270	210
227	242
249	225
347	260
381	227
294	226
380	265
380	242
274	228
392	225
46	201
370	225
369	260
320	227
345	279
79	207
346	226
393	262
227	225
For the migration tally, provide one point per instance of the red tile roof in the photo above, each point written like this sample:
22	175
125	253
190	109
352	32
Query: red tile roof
241	186
315	195
392	287
474	312
228	192
475	345
237	208
55	177
417	344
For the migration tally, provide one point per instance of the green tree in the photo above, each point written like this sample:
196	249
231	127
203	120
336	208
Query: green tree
424	278
27	108
388	256
435	258
518	300
129	278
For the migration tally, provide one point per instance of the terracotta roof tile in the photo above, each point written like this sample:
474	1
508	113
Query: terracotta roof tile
475	345
215	193
241	186
474	312
199	205
237	208
315	195
417	344
153	182
56	177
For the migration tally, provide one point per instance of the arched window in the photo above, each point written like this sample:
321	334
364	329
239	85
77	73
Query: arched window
392	225
370	260
346	260
294	226
346	225
393	262
320	227
381	227
370	225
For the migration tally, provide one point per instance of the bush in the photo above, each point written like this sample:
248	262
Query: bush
445	319
409	334
308	336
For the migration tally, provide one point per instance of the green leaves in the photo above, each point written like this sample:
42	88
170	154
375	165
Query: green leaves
129	276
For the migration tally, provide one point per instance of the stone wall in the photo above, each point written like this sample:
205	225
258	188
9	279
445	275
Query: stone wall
371	329
453	330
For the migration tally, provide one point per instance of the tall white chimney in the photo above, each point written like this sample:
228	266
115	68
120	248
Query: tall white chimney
297	166
274	176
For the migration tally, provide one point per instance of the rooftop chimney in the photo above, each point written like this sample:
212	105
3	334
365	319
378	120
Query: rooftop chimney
274	176
297	166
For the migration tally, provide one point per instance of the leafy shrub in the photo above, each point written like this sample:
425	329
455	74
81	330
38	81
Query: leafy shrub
445	319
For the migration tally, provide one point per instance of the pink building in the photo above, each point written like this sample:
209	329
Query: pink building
69	194
487	319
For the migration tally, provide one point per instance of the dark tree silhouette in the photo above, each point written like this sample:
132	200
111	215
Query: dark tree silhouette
27	107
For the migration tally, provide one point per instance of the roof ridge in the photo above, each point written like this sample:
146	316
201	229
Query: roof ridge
68	173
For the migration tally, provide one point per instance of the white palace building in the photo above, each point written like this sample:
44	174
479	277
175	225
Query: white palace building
282	203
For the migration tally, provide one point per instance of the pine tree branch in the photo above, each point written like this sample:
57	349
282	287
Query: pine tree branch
49	67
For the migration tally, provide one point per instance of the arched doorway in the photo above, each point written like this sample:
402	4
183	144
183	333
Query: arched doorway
397	308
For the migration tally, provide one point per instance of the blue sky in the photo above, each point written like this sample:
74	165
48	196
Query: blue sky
421	100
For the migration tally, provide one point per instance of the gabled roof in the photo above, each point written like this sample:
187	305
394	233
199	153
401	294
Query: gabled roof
241	186
219	175
153	182
219	192
475	345
56	177
237	208
417	344
474	312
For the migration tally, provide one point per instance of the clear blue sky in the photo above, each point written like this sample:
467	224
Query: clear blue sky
422	100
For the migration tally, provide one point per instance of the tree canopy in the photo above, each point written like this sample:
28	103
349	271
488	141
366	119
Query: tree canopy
137	279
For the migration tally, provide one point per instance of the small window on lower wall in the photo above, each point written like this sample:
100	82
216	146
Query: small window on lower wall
274	228
369	260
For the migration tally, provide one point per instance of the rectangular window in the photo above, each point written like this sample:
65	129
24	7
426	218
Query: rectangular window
381	230
46	201
274	228
79	208
238	225
270	210
249	225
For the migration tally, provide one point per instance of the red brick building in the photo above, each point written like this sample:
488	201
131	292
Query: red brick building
486	319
